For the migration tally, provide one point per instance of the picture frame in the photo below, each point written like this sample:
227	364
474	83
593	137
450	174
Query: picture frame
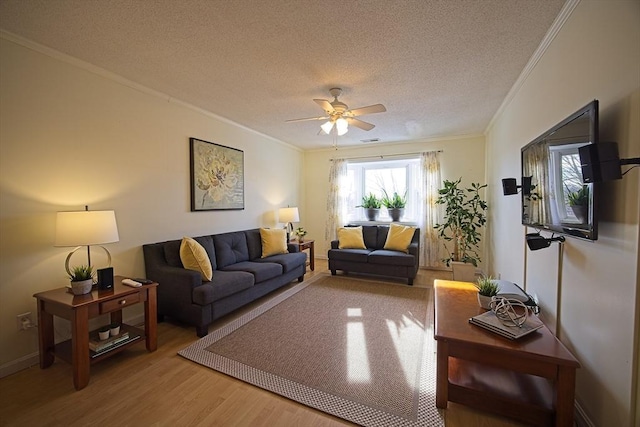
217	176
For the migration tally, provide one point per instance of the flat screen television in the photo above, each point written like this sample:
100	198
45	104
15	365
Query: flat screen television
559	200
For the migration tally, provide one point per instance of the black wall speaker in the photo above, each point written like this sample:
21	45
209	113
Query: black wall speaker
509	186
600	162
105	278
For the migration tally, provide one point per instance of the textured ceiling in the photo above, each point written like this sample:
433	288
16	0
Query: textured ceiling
441	68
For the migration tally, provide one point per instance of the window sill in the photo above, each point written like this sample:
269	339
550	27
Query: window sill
383	223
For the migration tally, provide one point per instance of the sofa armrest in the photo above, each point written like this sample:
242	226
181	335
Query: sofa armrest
293	248
175	283
335	244
414	249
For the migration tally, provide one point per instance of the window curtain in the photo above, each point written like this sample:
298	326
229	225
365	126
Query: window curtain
536	205
336	200
429	215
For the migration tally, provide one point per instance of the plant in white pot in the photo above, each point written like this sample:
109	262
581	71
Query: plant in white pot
487	289
81	279
460	229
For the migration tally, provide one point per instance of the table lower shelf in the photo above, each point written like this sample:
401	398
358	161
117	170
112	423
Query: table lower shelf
63	350
525	397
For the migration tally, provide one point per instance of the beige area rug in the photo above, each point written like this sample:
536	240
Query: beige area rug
358	349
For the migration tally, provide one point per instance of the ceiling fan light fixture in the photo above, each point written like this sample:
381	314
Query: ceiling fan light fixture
342	126
326	127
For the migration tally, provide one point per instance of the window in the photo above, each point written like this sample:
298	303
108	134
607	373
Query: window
566	178
376	177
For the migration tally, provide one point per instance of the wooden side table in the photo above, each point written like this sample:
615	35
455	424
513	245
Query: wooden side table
79	309
307	244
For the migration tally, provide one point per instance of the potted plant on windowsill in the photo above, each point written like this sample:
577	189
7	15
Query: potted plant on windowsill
460	230
487	289
371	205
395	204
579	203
81	279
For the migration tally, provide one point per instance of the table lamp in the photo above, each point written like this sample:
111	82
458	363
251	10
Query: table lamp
288	216
86	228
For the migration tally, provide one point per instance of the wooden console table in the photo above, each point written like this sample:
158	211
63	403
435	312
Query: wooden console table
531	379
79	309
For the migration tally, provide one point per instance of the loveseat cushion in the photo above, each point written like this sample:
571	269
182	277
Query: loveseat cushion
350	238
223	284
399	237
261	270
355	255
383	256
230	248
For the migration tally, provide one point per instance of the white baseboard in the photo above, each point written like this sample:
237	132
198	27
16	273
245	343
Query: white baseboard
32	359
581	418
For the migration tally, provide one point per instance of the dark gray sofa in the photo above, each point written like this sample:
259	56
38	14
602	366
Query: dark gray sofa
375	259
240	276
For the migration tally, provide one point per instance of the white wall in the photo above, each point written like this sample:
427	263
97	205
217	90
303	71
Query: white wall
460	157
596	55
70	137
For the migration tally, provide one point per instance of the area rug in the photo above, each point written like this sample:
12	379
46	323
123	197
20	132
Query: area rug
359	349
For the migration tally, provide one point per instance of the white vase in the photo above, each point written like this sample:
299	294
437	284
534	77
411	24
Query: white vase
82	287
484	301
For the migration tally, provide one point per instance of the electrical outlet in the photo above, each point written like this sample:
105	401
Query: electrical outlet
25	321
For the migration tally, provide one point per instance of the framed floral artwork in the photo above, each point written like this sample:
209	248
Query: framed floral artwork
217	176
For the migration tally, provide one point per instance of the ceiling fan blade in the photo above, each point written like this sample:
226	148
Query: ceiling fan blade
360	124
307	119
376	108
325	105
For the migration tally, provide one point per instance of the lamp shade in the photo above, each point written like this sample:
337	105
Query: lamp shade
288	215
84	228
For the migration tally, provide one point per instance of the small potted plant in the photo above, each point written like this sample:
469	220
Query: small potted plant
371	205
114	329
103	333
395	204
300	232
487	289
579	203
81	279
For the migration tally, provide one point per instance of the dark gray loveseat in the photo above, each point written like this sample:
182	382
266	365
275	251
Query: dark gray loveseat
240	276
375	259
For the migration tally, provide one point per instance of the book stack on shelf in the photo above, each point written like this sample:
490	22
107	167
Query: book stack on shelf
490	321
99	347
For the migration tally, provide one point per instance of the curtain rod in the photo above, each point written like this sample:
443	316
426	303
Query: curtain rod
382	156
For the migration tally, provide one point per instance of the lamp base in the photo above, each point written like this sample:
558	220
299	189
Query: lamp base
66	262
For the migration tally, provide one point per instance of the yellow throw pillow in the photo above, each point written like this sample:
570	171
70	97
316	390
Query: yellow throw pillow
274	241
194	257
350	238
399	237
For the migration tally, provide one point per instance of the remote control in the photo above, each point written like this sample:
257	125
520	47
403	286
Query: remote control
144	281
131	283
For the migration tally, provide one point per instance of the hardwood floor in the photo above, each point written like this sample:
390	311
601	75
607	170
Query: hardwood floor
137	388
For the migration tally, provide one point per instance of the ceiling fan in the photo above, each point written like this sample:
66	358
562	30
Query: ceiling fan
339	116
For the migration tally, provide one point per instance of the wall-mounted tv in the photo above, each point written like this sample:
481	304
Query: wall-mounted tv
559	200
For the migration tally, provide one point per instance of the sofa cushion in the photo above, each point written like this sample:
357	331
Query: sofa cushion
261	270
350	238
172	253
274	241
399	238
356	255
287	261
230	248
370	234
223	284
383	256
194	257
